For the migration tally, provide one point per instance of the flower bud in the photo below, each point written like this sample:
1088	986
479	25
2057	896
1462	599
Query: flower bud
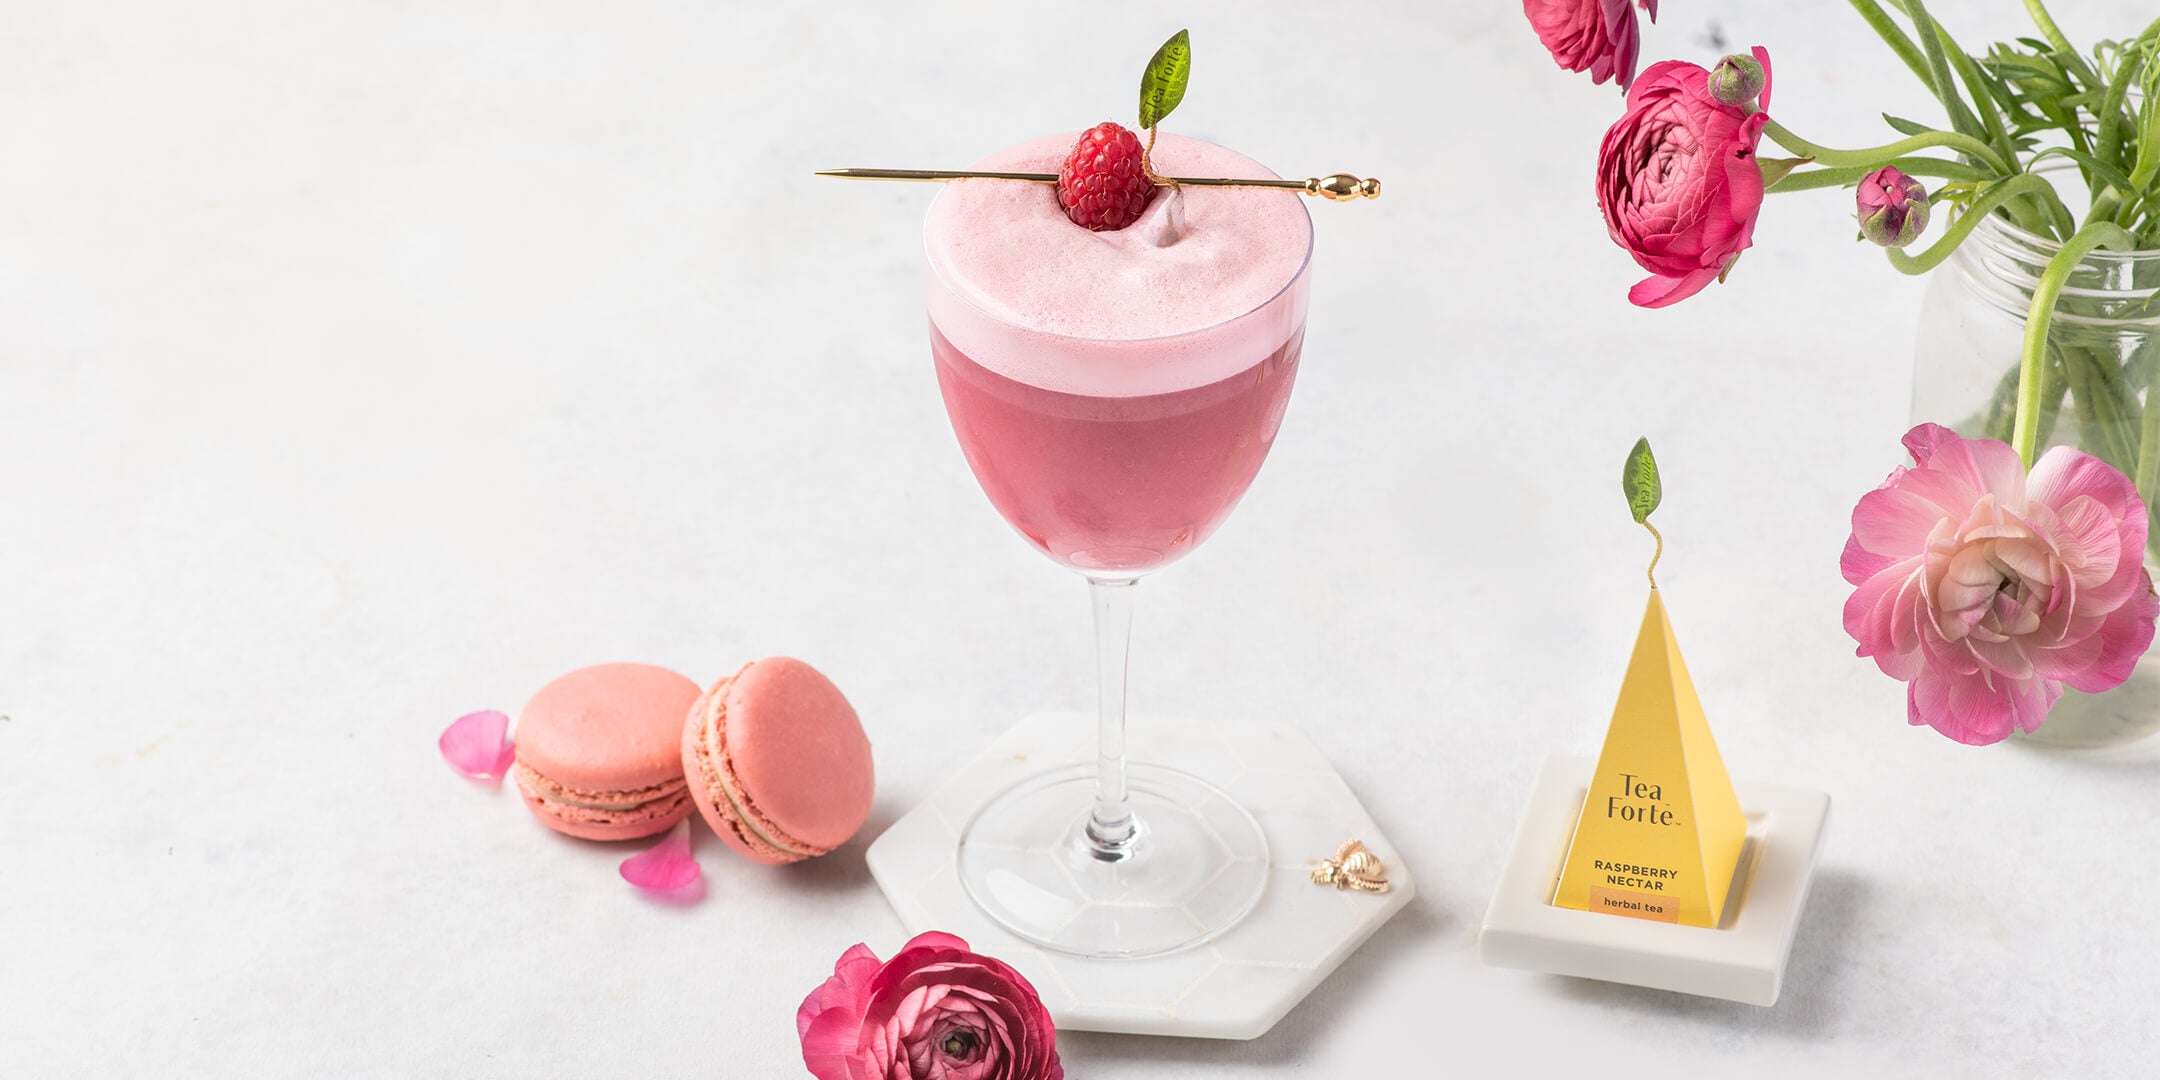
1736	79
1892	206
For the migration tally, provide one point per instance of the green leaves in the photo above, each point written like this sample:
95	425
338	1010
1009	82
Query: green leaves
1639	482
2020	103
1906	127
1775	169
1162	86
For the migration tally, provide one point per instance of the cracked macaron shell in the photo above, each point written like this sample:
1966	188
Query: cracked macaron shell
778	762
598	754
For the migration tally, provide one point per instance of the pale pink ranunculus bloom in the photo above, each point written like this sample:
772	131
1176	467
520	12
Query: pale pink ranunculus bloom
935	1011
1988	590
1597	36
1678	181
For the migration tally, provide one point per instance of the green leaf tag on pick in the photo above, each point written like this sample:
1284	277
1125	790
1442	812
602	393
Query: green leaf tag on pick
1163	85
1639	481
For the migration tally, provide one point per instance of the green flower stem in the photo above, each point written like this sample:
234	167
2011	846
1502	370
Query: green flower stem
1984	103
1946	89
2001	409
2147	165
2146	475
2055	37
2001	415
2118	411
2148	459
2103	426
1875	156
2054	383
2042	312
2069	121
2108	423
2108	368
2057	211
2106	206
1810	179
2092	436
1894	37
2109	140
2046	22
1989	201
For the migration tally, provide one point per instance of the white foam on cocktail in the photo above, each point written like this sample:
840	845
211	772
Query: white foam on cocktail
1024	292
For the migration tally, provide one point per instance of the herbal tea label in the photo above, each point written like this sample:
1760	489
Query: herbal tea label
1660	830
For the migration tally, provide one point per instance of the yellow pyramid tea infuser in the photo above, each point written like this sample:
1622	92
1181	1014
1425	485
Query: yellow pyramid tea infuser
1660	831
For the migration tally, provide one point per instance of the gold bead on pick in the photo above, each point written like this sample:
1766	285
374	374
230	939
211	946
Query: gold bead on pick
1343	187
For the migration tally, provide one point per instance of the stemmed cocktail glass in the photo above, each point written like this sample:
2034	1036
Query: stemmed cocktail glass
1115	455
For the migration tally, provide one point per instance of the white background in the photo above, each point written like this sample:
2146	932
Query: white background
364	365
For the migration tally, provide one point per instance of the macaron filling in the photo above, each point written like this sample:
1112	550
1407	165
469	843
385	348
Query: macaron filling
712	756
601	807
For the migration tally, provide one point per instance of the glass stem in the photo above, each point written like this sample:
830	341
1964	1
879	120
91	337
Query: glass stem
1111	829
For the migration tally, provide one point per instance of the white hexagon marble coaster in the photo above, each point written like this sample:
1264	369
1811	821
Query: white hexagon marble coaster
1742	958
1235	987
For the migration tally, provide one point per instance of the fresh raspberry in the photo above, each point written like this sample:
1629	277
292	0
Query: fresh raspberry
1101	185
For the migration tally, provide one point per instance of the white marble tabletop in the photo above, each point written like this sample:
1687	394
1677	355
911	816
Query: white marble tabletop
363	365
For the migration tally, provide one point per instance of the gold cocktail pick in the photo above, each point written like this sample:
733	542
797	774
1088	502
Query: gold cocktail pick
1339	187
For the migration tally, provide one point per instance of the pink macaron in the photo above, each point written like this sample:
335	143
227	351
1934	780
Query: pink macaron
778	762
599	751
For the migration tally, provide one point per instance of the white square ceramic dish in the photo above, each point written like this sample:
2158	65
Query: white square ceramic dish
1741	959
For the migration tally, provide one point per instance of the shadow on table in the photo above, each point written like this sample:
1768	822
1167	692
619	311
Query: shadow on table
1807	1008
845	869
1297	1035
2142	757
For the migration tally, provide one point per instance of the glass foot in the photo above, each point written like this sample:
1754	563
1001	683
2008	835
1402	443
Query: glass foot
1197	866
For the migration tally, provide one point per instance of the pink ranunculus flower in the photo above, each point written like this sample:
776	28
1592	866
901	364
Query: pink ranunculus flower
1678	181
935	1011
1597	36
1989	590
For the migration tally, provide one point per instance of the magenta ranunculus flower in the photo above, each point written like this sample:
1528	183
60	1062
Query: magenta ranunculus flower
1678	181
1989	590
935	1011
1597	36
1892	207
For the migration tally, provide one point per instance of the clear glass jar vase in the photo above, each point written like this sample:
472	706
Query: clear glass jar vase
2101	394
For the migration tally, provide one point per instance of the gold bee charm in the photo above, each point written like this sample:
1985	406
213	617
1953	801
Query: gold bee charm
1353	867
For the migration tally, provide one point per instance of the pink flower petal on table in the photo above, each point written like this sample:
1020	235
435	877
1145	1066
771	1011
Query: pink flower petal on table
667	869
476	746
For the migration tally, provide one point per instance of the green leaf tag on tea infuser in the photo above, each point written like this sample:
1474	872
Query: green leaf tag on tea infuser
1163	84
1639	482
1639	479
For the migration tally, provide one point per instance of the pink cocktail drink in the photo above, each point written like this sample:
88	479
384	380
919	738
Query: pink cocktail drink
1115	484
1113	394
